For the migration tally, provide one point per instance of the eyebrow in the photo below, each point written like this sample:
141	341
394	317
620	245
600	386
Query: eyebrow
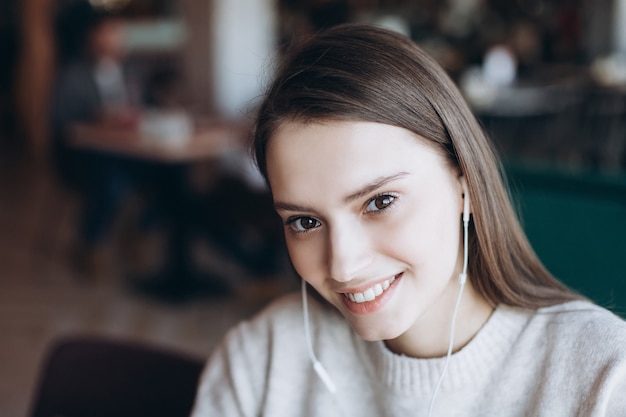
367	189
374	185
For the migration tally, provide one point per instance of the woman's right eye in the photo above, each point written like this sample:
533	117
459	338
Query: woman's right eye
303	224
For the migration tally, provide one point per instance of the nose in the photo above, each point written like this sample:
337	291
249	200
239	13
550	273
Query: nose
349	251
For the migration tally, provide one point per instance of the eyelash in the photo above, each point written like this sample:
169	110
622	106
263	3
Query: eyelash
394	197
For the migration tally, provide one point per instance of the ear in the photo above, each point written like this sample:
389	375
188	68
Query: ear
466	199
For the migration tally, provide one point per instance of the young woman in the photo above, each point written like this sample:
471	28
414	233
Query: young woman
432	300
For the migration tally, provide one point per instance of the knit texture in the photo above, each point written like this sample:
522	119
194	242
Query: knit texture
564	360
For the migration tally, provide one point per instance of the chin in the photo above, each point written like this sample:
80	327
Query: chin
375	333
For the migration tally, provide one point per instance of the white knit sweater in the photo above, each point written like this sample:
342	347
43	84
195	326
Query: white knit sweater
565	360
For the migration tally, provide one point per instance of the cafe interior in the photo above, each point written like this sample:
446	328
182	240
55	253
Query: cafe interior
135	229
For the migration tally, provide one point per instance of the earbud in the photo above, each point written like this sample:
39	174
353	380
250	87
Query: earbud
466	200
466	218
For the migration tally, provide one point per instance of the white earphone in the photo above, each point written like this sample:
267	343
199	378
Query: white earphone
317	365
466	219
462	280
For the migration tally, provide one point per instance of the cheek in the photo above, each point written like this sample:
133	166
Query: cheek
306	258
444	243
429	237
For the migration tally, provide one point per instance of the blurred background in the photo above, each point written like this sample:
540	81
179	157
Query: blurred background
130	209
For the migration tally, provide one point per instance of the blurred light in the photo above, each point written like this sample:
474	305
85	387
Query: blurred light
500	66
110	5
155	35
610	70
393	22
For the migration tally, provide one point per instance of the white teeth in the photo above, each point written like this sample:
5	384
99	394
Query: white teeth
371	293
378	290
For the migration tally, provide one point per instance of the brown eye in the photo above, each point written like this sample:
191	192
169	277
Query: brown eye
380	202
303	224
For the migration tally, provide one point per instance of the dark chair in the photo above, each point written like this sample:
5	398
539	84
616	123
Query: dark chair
98	377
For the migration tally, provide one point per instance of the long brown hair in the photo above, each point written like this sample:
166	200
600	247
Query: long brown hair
367	73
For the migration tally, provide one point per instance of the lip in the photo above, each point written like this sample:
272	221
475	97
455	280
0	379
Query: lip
375	305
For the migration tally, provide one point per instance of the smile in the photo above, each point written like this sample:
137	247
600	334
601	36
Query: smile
371	293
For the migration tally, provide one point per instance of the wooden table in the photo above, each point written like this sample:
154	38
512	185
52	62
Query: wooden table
209	141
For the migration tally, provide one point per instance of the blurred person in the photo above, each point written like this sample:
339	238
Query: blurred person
93	84
525	42
94	87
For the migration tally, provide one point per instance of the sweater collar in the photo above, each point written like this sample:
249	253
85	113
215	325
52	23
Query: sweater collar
483	354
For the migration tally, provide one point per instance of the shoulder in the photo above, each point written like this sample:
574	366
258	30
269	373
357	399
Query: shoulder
283	319
76	70
582	317
580	328
584	347
274	341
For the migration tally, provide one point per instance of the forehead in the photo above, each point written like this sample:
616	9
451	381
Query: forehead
344	154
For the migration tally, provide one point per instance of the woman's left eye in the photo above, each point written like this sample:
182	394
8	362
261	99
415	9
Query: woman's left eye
380	202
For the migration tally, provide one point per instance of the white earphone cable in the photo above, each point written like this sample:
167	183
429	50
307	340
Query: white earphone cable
317	366
462	281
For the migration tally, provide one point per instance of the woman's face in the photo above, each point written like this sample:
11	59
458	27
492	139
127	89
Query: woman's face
372	220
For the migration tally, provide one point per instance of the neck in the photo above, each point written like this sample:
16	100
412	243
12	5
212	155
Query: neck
429	337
